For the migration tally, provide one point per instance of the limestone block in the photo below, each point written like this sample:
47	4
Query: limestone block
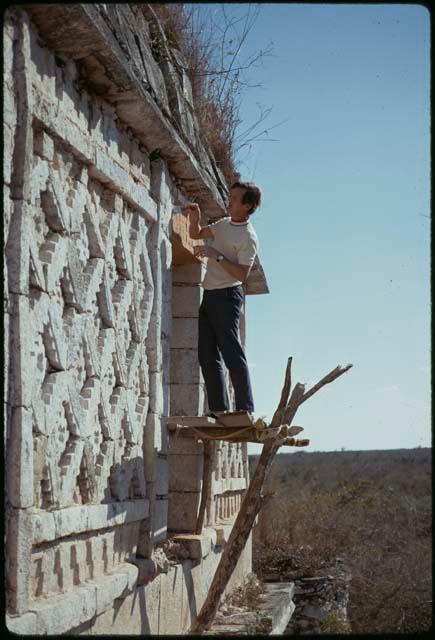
139	163
25	625
187	399
183	511
59	122
96	124
153	339
8	48
184	367
61	613
19	470
7	211
185	333
53	254
131	571
17	554
185	472
161	476
136	614
157	432
171	592
183	446
228	484
186	301
23	152
8	151
199	546
109	515
44	145
166	358
20	374
6	356
105	169
113	587
156	392
167	310
17	247
188	274
42	66
159	522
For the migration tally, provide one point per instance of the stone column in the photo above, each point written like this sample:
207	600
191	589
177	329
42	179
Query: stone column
187	397
158	340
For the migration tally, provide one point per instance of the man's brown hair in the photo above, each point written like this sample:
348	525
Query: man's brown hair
251	196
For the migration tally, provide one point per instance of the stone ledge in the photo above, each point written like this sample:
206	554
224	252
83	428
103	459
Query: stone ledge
278	605
219	487
270	617
51	525
59	614
198	545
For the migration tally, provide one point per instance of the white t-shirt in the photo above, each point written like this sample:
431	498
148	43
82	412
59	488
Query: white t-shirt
238	242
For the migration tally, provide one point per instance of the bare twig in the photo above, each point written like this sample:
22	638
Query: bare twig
330	377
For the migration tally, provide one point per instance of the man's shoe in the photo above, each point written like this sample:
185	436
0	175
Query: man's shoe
215	414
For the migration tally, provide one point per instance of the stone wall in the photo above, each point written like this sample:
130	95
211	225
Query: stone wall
100	140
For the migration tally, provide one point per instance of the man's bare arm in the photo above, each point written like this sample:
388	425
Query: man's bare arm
238	271
197	232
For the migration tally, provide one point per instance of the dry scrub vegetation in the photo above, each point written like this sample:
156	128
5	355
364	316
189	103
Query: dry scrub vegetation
371	508
212	49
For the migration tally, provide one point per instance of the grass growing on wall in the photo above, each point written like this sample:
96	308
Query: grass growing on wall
212	49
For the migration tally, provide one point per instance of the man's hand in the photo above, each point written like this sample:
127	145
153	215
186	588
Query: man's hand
238	271
192	211
205	252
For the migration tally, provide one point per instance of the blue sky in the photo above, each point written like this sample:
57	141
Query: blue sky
344	233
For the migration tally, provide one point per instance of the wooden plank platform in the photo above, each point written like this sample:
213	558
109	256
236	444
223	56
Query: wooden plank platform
215	432
235	419
192	421
230	434
228	419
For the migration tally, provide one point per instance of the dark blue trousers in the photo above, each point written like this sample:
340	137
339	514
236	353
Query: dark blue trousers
218	338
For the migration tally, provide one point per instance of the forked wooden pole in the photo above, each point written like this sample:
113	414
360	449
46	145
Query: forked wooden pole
253	499
206	484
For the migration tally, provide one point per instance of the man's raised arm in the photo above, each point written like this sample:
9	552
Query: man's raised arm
196	232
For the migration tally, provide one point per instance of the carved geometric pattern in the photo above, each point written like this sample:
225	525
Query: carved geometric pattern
228	460
91	297
59	568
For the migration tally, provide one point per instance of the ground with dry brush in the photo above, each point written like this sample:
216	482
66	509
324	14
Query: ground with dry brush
373	509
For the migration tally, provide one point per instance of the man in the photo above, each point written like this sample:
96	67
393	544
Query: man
230	256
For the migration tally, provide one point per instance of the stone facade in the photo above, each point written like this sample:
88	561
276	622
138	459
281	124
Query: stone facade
101	140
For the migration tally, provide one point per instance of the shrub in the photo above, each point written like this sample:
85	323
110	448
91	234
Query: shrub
372	509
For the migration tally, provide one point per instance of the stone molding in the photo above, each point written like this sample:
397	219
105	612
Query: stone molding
52	525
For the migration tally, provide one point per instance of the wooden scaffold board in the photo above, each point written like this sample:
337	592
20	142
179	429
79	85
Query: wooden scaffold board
232	428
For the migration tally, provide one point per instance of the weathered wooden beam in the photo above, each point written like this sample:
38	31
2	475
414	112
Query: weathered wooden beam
285	392
191	421
330	377
253	498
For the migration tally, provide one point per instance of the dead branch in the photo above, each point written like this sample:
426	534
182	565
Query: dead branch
254	498
330	377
